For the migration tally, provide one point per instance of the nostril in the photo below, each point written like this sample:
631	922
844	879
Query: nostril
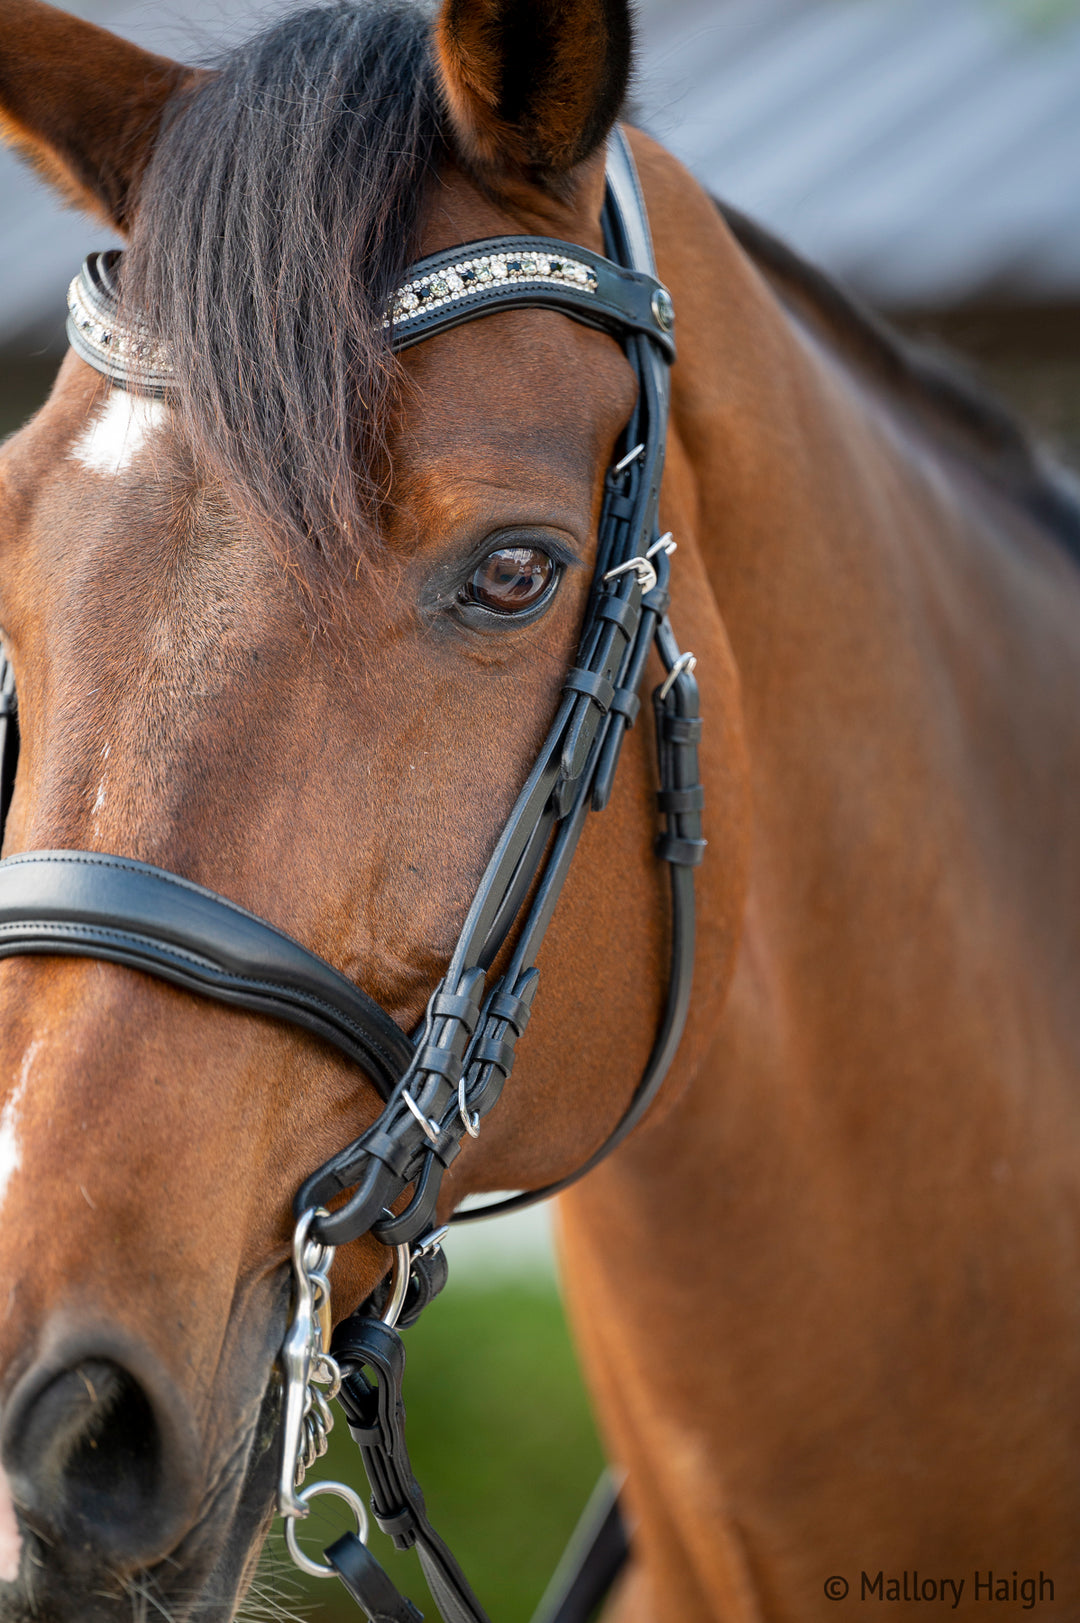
96	1445
100	1461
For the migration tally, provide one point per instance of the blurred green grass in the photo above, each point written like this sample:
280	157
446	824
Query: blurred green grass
502	1443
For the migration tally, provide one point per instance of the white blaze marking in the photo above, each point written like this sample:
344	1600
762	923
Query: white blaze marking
99	802
119	432
10	1543
9	1138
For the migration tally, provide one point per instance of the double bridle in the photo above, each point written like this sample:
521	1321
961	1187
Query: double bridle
440	1083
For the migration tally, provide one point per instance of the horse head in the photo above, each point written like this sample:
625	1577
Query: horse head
296	633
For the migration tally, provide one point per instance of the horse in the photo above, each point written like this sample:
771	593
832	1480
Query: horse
297	634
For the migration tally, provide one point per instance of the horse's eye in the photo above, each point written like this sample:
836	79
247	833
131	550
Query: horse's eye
512	579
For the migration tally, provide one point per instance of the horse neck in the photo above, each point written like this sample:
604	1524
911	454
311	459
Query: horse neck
893	617
905	640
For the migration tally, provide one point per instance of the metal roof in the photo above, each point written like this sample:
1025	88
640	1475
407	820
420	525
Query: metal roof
927	151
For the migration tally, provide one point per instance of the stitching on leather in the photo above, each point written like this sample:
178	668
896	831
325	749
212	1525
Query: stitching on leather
88	932
31	859
162	876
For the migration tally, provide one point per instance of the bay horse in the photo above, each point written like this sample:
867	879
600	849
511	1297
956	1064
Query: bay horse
826	1294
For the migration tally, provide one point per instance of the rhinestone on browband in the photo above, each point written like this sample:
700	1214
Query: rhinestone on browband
464	278
127	354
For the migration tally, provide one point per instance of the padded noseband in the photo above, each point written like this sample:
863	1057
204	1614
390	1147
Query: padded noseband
84	905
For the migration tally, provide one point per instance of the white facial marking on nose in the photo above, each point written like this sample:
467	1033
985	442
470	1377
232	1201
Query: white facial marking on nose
118	432
99	800
10	1542
10	1156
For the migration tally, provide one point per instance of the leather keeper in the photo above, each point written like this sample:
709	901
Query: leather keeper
620	506
441	1061
681	729
394	1153
399	1522
495	1051
683	853
514	1010
621	612
594	685
626	703
674	801
452	1006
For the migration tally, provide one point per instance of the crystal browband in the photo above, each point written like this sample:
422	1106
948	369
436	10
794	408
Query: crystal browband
462	278
127	354
442	291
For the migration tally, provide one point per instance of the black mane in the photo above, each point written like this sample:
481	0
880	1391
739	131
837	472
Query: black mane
930	383
280	210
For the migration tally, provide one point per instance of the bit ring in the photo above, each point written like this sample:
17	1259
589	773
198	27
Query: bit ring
340	1490
399	1285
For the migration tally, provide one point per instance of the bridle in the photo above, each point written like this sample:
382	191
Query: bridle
439	1084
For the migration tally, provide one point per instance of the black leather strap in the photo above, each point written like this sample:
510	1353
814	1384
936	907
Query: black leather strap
88	905
682	846
619	299
598	1550
9	736
365	1347
369	1584
375	1413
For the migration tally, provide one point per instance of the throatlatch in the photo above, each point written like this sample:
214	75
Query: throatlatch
441	1083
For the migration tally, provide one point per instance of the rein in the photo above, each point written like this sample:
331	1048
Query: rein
439	1084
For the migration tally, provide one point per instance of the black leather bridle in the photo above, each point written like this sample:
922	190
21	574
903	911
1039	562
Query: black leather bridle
439	1084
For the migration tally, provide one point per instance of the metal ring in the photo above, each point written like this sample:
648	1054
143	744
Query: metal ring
430	1127
685	662
324	1369
644	570
340	1490
471	1123
323	1255
399	1287
631	456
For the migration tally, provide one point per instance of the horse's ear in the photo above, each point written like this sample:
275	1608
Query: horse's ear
82	105
532	85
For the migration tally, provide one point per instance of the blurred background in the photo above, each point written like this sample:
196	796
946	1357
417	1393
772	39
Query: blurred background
927	154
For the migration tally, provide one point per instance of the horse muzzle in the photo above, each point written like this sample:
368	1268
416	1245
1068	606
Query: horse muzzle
102	1453
116	1497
